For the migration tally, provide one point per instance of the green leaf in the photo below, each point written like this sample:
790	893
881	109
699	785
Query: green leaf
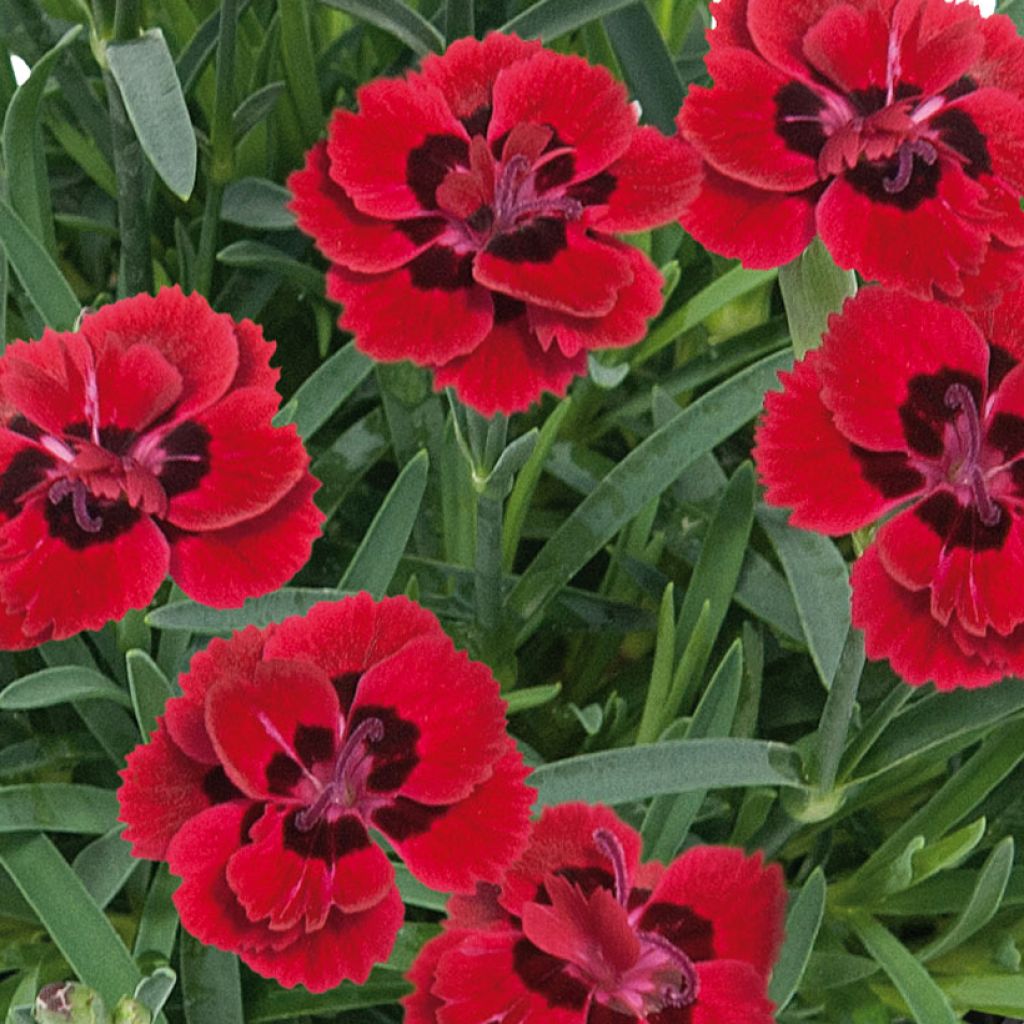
635	481
834	727
985	900
104	866
395	17
325	390
253	110
154	990
948	852
258	204
661	669
28	187
531	697
299	59
211	986
998	994
802	923
52	686
937	719
415	894
149	688
260	256
271	1003
676	766
158	925
377	557
57	807
812	288
647	65
145	74
820	584
927	1002
257	611
45	285
549	19
79	929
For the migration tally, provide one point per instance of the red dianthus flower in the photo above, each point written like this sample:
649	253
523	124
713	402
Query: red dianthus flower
894	129
579	932
468	213
138	445
288	743
913	406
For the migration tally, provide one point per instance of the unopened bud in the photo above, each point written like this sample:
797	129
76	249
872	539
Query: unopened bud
131	1011
69	1002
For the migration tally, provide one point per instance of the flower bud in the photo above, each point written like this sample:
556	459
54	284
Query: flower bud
131	1011
69	1002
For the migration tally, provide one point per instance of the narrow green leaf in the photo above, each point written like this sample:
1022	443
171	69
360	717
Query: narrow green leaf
253	110
635	481
154	990
661	669
415	894
549	19
56	686
84	151
104	866
820	584
927	1003
271	1003
149	688
834	727
395	17
985	900
57	807
802	923
148	81
326	390
258	204
260	256
211	986
677	766
299	61
193	60
381	549
45	285
79	929
948	852
532	697
458	19
158	925
257	611
999	994
647	65
28	187
812	288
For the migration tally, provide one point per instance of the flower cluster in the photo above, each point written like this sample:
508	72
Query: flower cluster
286	746
468	212
913	406
894	129
580	932
141	444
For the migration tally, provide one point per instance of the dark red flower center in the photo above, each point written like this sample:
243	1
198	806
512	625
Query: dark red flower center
962	457
495	196
626	968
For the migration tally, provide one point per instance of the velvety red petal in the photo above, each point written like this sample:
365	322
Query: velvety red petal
730	29
254	352
938	42
999	117
252	465
68	589
347	948
910	549
778	28
466	71
345	638
875	346
733	124
456	706
564	837
222	568
1002	270
850	47
508	370
625	324
199	343
233	661
569	270
584	105
281	886
807	465
654	181
731	993
135	386
898	625
13	636
369	150
343	234
929	247
1002	61
421	1005
478	910
762	228
257	725
477	838
742	899
452	314
162	789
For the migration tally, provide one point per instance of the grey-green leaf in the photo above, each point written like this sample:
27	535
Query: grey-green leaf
150	689
802	923
52	686
551	18
258	204
397	18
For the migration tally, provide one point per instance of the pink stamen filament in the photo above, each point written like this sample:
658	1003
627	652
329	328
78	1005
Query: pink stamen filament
968	426
904	172
370	730
691	980
608	843
509	205
79	495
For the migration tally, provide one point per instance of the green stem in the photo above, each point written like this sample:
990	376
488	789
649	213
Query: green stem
488	576
222	145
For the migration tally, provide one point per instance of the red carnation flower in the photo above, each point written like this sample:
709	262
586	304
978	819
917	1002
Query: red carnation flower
907	406
139	445
580	933
468	212
894	129
287	744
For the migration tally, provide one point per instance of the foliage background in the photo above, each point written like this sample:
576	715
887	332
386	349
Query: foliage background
667	643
